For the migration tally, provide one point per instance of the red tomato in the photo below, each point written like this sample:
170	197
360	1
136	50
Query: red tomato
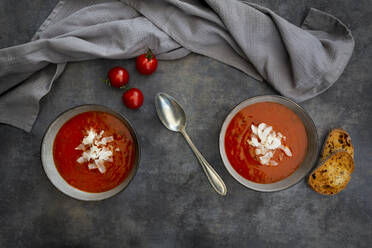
133	98
118	76
146	63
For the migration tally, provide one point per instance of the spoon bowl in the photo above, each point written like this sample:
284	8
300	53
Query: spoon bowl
170	112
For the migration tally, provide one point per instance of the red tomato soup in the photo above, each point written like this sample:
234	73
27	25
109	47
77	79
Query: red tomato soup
94	151
265	142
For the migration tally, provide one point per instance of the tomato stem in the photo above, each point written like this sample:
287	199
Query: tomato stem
107	82
149	54
125	87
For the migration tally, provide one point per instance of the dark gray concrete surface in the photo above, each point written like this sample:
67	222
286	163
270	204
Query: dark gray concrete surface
170	203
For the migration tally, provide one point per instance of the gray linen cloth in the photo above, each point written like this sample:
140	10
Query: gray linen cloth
299	62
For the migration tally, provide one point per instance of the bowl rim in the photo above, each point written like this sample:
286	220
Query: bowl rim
280	185
89	196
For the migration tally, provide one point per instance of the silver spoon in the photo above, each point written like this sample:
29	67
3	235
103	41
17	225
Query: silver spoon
173	117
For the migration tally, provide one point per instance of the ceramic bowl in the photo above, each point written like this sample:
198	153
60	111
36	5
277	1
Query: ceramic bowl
48	161
303	169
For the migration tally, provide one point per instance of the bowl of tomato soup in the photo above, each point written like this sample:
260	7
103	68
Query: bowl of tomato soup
268	143
90	152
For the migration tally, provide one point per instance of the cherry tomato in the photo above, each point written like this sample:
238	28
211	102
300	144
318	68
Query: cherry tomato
146	63
133	98
118	76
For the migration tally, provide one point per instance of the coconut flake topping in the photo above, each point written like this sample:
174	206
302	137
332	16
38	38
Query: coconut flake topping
266	141
96	150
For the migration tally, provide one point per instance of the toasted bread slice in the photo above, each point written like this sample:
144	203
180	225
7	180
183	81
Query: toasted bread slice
333	174
337	139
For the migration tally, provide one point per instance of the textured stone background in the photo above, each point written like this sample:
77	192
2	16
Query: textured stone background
170	203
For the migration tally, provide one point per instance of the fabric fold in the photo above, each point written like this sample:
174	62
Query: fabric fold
298	62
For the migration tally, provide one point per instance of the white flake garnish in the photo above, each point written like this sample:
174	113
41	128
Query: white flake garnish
92	166
80	147
88	139
286	150
81	160
96	150
266	141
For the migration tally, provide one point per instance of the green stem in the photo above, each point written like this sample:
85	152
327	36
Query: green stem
149	54
125	87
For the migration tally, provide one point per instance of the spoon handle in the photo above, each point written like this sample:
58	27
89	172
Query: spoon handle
214	179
